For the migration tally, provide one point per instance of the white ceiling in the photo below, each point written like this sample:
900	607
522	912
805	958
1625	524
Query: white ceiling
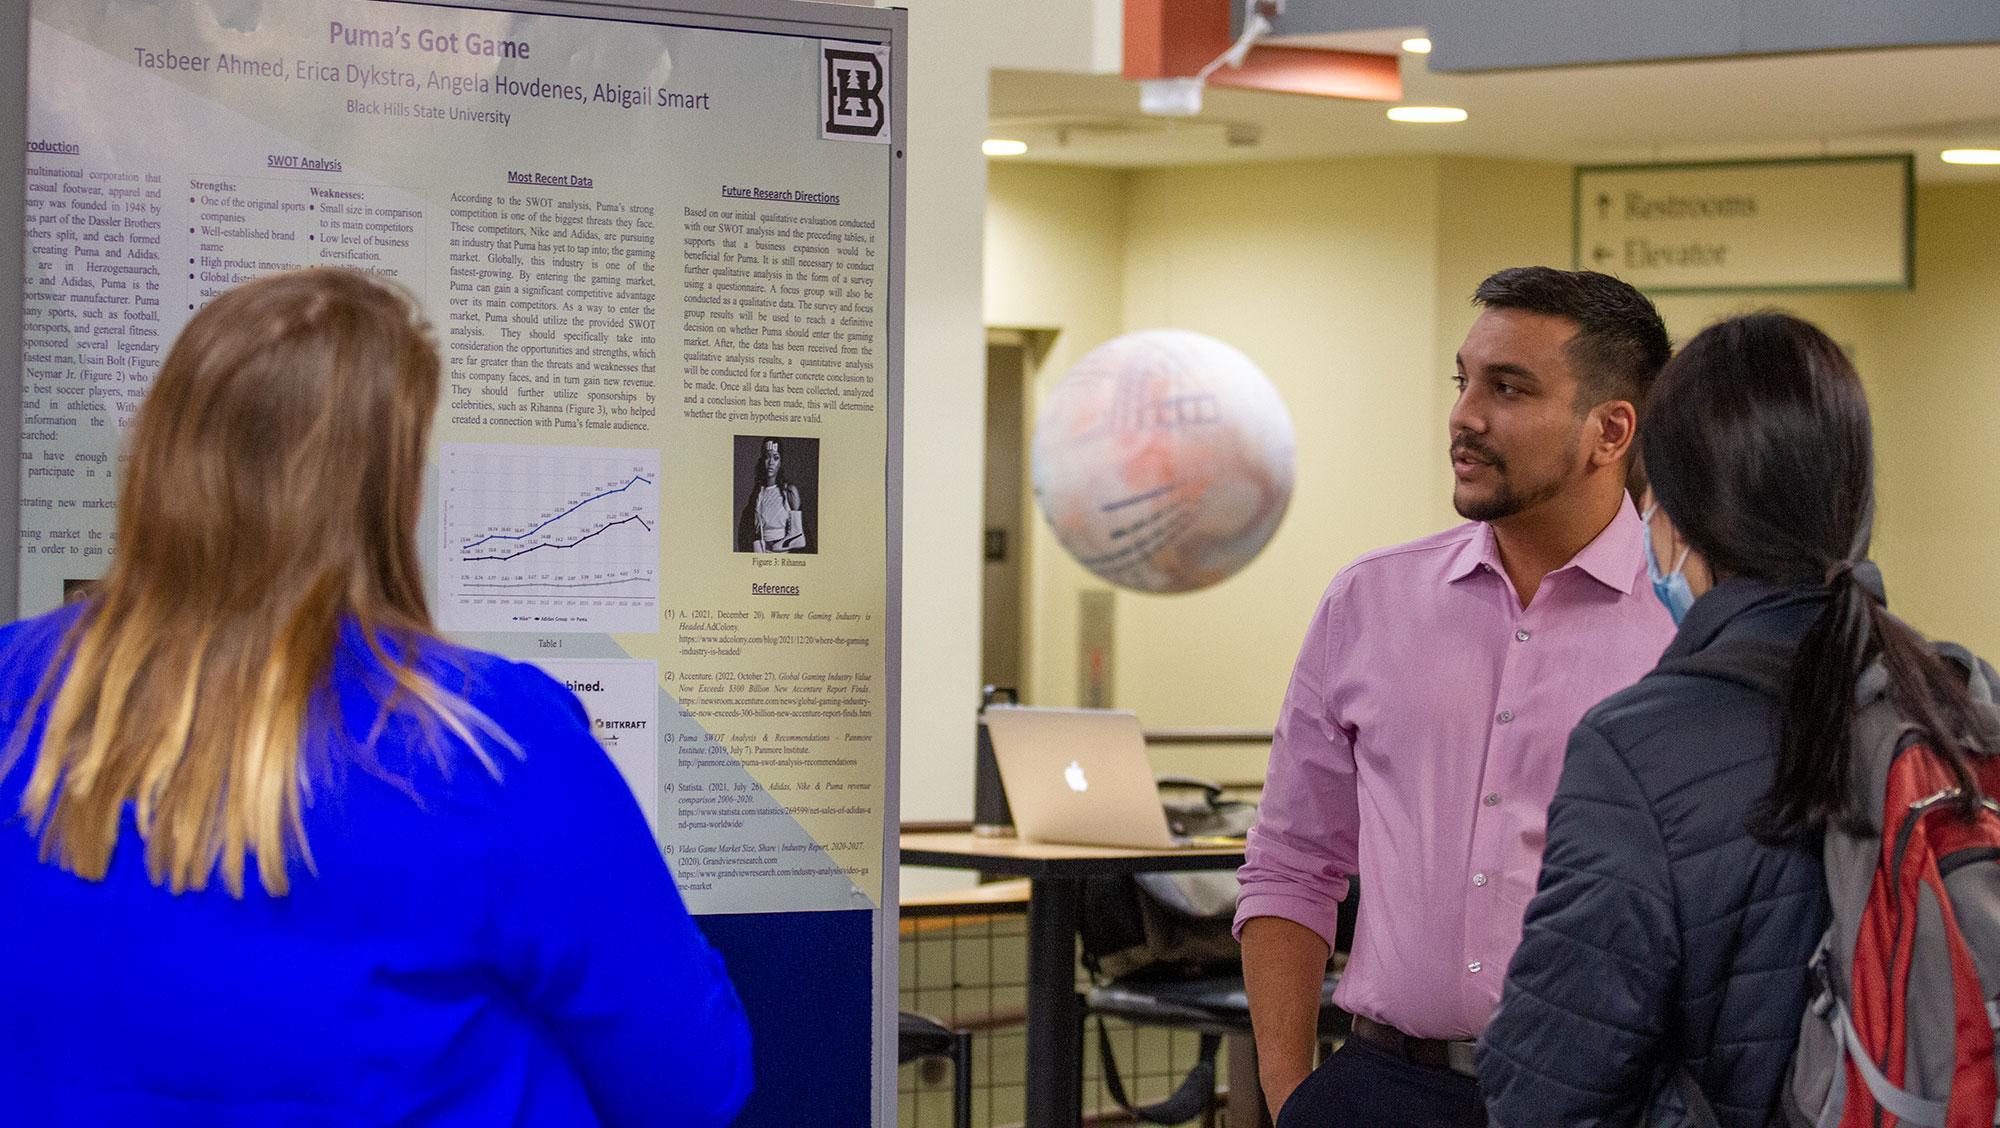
1921	100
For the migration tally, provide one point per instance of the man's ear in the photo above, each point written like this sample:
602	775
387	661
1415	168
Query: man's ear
1612	426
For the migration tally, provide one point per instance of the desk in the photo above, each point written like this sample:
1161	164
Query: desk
1055	874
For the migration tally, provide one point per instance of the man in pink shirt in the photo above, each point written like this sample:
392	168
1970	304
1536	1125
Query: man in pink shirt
1423	731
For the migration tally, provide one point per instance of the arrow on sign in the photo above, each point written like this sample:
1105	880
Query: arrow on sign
1599	254
1604	205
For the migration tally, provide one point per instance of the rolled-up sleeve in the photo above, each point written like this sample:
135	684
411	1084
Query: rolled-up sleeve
1299	854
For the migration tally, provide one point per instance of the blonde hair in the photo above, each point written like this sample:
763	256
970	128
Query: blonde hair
269	501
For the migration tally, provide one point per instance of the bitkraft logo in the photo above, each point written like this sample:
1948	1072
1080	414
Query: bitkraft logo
854	92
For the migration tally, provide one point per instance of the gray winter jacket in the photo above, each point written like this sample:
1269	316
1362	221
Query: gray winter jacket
1662	934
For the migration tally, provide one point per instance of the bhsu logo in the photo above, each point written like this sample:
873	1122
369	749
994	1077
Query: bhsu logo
855	95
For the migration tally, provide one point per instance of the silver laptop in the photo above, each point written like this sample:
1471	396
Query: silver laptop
1079	776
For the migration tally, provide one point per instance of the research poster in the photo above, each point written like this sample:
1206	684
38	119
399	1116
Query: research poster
657	263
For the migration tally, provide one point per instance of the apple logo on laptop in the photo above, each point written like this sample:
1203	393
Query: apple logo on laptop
1073	775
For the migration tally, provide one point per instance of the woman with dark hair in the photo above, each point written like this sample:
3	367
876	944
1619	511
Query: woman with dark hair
271	851
771	520
1682	892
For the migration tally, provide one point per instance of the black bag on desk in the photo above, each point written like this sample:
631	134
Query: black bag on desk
1169	925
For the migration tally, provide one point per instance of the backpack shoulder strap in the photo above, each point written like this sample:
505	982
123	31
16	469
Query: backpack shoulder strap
1980	679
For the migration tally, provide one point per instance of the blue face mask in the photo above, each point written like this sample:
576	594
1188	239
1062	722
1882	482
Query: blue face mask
1671	588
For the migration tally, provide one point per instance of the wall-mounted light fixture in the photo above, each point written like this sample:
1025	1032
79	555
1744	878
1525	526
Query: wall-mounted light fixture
1181	97
1176	48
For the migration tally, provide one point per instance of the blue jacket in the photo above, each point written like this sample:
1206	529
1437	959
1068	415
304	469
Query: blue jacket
471	951
1662	934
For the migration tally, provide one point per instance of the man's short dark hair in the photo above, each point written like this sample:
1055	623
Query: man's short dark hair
1620	342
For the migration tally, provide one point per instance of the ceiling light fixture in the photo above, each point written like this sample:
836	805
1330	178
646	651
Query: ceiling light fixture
1426	113
1417	45
1001	147
1971	156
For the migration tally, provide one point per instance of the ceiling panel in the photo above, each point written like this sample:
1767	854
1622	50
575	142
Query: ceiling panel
1914	99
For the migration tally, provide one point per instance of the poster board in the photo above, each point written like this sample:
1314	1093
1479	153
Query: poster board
660	245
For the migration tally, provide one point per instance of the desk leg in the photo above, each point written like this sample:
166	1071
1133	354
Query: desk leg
1055	1018
1246	1091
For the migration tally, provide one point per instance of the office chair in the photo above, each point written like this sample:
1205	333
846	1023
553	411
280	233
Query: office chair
1215	1007
921	1037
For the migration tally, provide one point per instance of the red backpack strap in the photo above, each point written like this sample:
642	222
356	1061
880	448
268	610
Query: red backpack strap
1955	842
1918	827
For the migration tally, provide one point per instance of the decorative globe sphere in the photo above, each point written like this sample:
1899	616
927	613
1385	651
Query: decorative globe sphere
1164	461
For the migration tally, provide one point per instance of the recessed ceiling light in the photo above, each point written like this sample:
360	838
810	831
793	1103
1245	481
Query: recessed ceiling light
1426	113
1971	156
1417	46
1000	147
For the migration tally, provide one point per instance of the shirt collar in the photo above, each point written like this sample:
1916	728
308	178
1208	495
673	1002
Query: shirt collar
1474	552
1615	558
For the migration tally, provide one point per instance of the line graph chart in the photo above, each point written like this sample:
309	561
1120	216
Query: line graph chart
549	538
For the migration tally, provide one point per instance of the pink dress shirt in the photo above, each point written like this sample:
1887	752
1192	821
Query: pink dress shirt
1419	745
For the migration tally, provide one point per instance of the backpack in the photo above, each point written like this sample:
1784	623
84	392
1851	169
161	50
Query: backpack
1168	925
1902	1029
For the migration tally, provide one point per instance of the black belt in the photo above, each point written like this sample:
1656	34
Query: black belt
1434	1052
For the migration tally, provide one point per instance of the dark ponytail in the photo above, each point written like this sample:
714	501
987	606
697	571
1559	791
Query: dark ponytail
1814	785
1759	447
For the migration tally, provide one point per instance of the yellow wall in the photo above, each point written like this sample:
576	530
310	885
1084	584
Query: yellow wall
1491	215
953	45
1302	265
1348	282
1060	236
1935	389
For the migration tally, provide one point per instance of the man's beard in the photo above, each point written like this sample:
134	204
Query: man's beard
1505	500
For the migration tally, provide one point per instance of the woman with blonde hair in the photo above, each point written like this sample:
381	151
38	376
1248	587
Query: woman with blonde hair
271	851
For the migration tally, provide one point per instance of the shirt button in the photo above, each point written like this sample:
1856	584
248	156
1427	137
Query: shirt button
1473	967
1492	800
1506	716
1521	636
1479	879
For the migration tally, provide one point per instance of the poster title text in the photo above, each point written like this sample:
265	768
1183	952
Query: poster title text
424	39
